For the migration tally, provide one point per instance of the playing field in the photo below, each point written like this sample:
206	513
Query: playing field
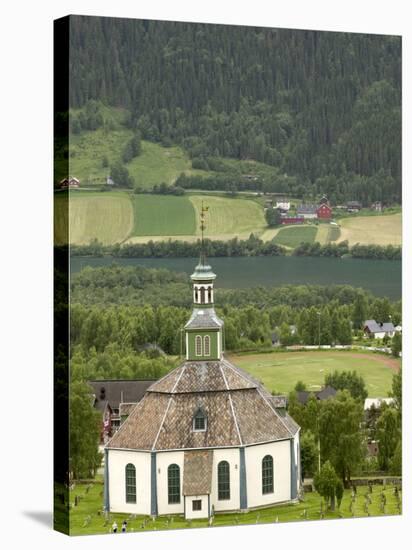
107	217
279	371
163	215
294	235
383	230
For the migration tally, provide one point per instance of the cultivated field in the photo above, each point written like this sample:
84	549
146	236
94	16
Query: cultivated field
279	371
228	218
107	217
294	235
383	230
163	215
87	518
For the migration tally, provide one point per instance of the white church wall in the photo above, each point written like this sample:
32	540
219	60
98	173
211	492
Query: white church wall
163	461
280	451
296	442
232	457
117	481
196	514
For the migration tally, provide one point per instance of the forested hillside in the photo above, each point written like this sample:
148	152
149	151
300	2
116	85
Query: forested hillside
322	107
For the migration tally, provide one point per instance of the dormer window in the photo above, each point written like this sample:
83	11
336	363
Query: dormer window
200	421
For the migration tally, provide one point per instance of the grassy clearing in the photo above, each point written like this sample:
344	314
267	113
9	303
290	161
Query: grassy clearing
293	236
279	371
322	234
383	230
155	164
229	217
163	215
86	518
107	217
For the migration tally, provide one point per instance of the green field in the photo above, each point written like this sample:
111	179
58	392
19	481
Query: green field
382	230
155	164
107	217
87	517
163	215
279	371
294	235
229	217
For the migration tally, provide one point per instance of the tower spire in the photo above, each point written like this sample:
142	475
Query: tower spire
203	211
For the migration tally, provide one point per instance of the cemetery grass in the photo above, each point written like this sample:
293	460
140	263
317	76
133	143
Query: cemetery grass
87	517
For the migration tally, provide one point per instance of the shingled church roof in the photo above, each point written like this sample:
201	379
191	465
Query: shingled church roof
239	411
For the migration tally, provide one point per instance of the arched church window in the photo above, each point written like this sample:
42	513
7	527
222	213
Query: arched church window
206	345
196	295
173	484
209	295
130	483
198	345
199	421
267	475
202	294
223	480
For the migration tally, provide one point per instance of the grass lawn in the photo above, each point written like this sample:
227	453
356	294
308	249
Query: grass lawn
293	236
383	230
279	371
94	215
86	518
163	215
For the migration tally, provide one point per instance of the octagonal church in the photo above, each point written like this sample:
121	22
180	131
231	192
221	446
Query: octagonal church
206	437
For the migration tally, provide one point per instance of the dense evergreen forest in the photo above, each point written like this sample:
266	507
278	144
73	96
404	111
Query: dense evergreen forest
322	107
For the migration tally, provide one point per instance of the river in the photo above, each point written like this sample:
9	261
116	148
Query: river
381	277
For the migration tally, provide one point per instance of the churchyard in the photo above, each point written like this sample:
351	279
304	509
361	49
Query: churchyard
87	516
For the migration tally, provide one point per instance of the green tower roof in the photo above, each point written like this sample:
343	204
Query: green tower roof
203	272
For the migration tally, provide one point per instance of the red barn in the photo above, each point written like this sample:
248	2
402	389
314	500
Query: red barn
324	212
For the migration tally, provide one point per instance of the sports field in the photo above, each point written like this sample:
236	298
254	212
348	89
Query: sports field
107	217
279	371
383	230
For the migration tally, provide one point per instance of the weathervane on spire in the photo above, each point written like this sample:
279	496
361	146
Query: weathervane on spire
203	210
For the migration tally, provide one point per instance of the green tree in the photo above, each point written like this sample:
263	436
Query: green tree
359	311
308	454
341	438
348	380
396	345
327	484
300	386
272	216
85	426
388	434
396	463
120	175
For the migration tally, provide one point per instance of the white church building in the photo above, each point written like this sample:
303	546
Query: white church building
206	437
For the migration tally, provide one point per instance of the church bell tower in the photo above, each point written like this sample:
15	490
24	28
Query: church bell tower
204	330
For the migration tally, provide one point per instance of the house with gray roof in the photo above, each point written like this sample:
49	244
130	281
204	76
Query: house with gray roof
378	330
307	211
205	438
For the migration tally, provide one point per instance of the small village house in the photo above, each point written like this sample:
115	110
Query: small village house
115	399
69	183
353	206
325	393
307	211
372	329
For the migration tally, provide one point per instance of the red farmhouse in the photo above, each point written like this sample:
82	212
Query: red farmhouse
324	212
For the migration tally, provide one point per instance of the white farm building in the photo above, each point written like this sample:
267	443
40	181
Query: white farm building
206	437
